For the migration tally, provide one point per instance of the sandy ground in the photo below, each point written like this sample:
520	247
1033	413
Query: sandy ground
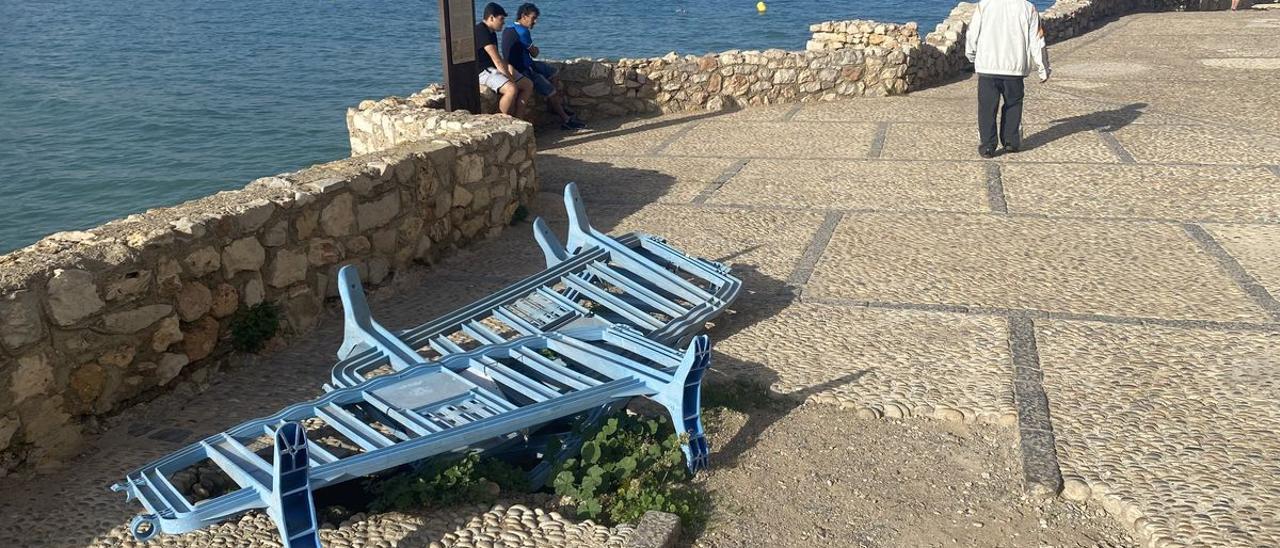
816	475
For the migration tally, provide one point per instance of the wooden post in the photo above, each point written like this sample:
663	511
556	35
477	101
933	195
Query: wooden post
458	47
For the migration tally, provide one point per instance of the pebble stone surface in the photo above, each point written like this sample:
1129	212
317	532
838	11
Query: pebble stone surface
1175	430
881	276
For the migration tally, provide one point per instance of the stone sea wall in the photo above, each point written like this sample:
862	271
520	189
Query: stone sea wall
94	321
599	89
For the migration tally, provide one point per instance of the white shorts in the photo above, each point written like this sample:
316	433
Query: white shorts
493	79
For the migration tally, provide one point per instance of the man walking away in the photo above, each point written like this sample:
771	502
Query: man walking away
494	72
1004	40
519	51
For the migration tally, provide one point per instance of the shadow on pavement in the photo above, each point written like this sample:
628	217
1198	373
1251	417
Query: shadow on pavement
1103	120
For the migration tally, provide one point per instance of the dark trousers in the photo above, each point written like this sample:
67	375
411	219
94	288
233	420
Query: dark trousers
990	90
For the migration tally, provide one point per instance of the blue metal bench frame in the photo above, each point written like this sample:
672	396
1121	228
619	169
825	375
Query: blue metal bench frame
644	294
644	272
430	410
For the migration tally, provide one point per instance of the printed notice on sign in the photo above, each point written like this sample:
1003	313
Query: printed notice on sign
461	31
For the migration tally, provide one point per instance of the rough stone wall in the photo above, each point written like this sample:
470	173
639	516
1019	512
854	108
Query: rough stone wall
92	322
860	34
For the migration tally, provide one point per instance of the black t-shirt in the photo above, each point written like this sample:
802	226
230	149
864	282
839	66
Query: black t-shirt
484	37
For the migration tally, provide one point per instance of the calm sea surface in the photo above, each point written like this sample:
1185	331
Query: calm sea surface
110	107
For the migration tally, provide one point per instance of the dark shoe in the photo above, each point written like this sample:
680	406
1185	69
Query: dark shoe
987	152
572	125
1009	149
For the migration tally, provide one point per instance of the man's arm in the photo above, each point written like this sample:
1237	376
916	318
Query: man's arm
971	36
498	63
1039	52
509	40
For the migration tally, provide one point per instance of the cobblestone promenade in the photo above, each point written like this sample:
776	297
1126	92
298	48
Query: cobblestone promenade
1111	292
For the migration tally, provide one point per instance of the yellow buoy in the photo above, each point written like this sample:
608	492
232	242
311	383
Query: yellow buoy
760	7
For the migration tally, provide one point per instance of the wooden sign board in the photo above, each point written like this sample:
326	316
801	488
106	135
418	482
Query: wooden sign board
458	47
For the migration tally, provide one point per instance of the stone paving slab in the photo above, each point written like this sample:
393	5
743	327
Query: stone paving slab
860	184
1062	143
963	111
1172	430
763	247
630	180
1219	23
1179	62
776	140
619	137
1237	194
1188	48
1256	248
1200	145
883	362
1085	267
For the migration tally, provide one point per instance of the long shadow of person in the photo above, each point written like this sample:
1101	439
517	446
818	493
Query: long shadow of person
1103	120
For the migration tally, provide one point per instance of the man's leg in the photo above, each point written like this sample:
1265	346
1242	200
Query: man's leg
988	102
544	87
510	95
549	74
499	83
1011	114
525	88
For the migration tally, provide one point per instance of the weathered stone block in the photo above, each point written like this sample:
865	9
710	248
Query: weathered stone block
306	223
202	261
169	366
200	338
302	310
254	215
322	252
245	254
72	296
226	298
338	218
33	377
288	267
254	292
87	383
169	275
128	285
357	245
194	301
379	212
44	424
119	357
20	321
384	241
168	333
277	234
135	320
8	427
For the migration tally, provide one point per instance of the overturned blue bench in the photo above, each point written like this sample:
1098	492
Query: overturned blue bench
608	320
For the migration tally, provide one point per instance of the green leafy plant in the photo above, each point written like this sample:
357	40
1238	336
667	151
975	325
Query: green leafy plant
252	327
468	480
628	466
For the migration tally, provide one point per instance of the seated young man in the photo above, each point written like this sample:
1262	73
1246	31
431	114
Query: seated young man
495	73
519	51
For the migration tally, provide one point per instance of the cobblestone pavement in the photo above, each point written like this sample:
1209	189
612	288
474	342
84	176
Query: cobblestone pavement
1109	292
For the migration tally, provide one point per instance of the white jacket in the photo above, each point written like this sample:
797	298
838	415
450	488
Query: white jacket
1005	39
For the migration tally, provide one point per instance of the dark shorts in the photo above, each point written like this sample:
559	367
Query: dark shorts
541	76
